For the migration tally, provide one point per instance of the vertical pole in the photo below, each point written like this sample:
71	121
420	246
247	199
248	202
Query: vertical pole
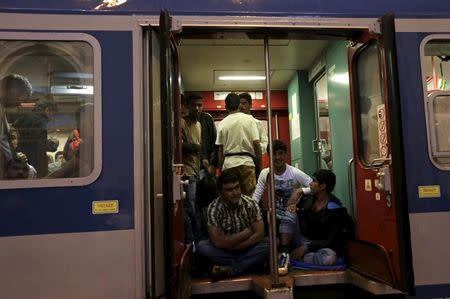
272	214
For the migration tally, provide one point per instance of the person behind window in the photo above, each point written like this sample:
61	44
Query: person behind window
14	89
32	128
58	163
20	158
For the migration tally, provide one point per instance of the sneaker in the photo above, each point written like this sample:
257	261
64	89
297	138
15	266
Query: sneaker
220	272
283	264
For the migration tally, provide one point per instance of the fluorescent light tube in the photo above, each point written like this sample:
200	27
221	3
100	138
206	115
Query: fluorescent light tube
241	78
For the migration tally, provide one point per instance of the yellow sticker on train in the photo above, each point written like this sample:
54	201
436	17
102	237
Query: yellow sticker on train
105	207
430	191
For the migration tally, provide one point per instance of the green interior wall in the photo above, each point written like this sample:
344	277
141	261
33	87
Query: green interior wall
301	91
340	116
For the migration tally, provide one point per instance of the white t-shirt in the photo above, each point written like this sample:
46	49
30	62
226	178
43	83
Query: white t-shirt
285	184
236	134
263	139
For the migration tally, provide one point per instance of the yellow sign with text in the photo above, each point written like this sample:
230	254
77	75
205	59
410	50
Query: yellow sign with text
430	191
105	207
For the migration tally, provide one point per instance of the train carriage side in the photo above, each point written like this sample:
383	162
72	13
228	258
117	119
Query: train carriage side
75	232
423	48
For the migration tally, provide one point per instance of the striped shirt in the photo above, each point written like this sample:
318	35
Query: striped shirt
235	220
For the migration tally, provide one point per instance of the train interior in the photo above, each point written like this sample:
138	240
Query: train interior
311	113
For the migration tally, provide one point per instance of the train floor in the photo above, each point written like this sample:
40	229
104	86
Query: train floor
303	284
346	291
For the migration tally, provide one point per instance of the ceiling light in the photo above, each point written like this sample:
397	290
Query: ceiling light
242	78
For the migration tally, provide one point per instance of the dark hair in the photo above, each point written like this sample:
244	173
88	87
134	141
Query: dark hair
59	153
327	177
52	144
278	145
188	100
232	102
18	82
226	177
246	96
207	191
44	103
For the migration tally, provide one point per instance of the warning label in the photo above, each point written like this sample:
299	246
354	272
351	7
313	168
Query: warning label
105	207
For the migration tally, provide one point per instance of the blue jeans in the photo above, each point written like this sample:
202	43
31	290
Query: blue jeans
239	260
322	257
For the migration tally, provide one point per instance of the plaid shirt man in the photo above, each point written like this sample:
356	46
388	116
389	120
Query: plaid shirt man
235	220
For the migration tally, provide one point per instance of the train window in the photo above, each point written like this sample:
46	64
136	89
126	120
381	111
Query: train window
370	100
435	58
48	108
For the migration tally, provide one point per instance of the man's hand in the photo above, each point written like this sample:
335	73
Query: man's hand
292	202
298	253
205	163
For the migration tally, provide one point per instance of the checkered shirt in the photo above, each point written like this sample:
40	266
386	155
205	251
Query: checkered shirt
235	220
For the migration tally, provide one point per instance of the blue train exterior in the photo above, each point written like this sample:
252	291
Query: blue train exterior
53	245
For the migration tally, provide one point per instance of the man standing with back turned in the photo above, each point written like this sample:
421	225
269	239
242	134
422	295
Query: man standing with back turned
239	146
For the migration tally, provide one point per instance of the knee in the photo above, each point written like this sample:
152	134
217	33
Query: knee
329	257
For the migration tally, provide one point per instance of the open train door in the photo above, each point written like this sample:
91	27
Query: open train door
381	200
177	254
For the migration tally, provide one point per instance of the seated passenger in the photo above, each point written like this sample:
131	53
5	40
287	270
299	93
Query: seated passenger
58	163
288	180
236	231
18	168
322	224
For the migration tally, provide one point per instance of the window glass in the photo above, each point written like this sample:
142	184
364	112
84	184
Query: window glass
437	65
324	133
436	74
46	109
370	101
440	126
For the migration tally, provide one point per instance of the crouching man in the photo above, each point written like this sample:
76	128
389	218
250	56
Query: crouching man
236	231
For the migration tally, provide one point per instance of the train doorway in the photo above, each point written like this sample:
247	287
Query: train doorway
306	67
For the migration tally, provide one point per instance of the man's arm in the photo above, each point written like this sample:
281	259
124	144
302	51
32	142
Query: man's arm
258	154
220	155
260	185
221	240
257	235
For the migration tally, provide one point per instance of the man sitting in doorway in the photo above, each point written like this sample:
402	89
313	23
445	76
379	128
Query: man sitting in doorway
288	180
236	231
321	224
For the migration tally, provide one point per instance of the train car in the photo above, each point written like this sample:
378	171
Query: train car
355	86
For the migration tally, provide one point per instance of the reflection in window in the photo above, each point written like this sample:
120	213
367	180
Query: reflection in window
440	126
46	109
370	100
437	65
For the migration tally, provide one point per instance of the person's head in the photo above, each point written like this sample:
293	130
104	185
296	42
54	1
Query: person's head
324	180
17	167
59	155
232	102
14	137
229	188
194	105
15	88
52	144
245	102
279	153
45	106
